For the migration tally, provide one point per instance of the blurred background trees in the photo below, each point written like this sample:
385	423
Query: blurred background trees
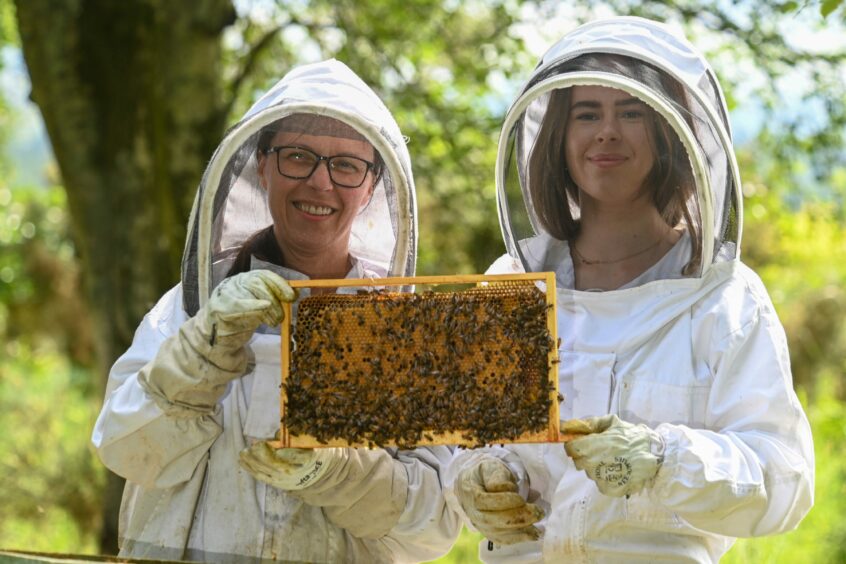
136	95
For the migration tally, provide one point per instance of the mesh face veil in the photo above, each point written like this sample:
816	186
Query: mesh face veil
693	180
230	205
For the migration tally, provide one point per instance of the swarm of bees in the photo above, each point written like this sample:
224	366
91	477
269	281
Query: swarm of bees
381	368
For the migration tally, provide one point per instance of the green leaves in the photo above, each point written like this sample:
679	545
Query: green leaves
829	6
50	482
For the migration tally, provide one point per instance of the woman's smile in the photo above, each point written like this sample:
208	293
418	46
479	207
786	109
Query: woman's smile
314	211
607	160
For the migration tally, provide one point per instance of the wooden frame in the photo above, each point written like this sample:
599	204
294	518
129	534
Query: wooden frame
551	434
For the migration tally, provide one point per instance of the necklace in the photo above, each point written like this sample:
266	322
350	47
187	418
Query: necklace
583	260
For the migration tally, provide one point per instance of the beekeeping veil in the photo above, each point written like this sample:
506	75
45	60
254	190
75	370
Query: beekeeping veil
662	69
230	205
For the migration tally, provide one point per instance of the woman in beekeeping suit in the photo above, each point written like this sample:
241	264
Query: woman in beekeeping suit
314	182
616	171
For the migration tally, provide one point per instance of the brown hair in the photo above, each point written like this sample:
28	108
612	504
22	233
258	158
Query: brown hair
262	245
554	193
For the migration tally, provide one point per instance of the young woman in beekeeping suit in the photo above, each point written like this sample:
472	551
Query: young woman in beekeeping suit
616	171
314	182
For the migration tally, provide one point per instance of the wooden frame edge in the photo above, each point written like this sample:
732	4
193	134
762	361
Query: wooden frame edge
552	434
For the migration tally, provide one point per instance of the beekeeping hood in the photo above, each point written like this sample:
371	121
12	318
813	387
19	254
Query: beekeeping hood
695	110
230	205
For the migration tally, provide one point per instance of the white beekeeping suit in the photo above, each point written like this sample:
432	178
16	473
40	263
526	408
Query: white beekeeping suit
186	495
691	348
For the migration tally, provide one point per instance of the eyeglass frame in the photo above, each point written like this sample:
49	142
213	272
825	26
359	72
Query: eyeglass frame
320	158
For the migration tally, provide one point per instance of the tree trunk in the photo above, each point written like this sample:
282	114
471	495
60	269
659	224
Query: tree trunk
131	94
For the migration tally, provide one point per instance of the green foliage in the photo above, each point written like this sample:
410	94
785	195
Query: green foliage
50	480
829	6
794	252
798	247
40	295
8	28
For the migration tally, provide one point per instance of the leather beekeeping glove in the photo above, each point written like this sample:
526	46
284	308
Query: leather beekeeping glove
192	368
363	491
289	468
620	457
488	494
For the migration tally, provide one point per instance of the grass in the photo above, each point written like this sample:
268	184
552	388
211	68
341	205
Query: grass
464	551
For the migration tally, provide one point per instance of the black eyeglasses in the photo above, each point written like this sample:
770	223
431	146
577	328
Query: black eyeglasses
300	163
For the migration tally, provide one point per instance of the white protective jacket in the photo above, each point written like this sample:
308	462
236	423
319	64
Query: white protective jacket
701	358
186	496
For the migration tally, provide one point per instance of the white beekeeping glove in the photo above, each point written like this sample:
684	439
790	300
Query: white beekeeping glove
289	468
192	368
488	494
620	457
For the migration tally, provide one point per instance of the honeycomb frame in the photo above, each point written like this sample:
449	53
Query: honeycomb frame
422	420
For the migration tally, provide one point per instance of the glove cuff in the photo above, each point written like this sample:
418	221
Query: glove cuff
184	379
325	461
224	352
